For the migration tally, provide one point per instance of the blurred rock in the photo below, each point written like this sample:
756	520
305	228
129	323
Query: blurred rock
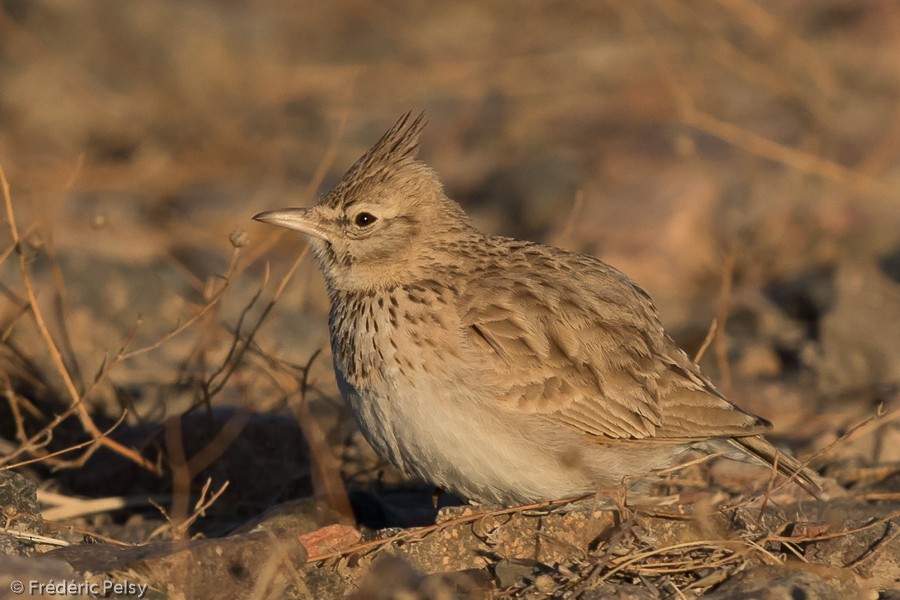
859	348
526	198
231	567
621	592
767	582
806	296
511	572
18	569
393	578
294	518
19	513
758	360
873	551
321	529
785	402
860	546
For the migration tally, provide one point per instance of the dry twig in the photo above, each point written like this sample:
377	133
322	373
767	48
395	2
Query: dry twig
76	399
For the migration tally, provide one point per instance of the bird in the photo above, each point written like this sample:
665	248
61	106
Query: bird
505	371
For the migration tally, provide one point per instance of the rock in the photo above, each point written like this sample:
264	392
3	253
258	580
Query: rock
515	571
860	335
392	577
620	592
28	572
758	360
768	582
231	567
20	513
294	518
330	538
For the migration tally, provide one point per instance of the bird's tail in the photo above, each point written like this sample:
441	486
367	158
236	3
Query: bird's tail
759	448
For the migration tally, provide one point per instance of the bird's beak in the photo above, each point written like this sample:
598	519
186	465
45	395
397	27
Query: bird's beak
298	219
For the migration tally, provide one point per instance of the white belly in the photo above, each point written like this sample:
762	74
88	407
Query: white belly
436	432
430	411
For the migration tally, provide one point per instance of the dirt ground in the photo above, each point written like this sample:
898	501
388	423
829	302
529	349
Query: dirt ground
169	414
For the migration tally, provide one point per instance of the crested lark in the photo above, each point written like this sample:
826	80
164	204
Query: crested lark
502	370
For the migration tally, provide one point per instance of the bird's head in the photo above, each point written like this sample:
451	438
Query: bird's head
386	222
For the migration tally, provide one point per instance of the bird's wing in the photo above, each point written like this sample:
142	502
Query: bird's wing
570	338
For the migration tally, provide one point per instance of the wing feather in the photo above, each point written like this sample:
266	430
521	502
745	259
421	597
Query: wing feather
579	343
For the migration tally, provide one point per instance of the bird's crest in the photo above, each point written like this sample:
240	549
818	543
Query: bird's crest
397	147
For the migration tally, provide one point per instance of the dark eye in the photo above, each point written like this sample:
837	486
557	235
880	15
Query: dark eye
364	219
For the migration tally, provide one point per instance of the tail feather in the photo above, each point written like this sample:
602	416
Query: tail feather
759	448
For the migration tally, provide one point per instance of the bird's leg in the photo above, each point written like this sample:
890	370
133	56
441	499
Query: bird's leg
436	496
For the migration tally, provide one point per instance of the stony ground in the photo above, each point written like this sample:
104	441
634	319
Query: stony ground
169	416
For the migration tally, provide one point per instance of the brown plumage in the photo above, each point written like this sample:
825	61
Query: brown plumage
503	370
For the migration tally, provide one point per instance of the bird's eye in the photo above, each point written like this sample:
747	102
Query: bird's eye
364	219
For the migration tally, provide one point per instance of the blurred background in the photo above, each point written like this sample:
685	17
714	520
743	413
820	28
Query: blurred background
740	159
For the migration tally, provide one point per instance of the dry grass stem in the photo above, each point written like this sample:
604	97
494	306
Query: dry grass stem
36	538
415	533
325	466
190	322
71	508
799	160
710	335
179	527
868	425
720	342
92	445
76	399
